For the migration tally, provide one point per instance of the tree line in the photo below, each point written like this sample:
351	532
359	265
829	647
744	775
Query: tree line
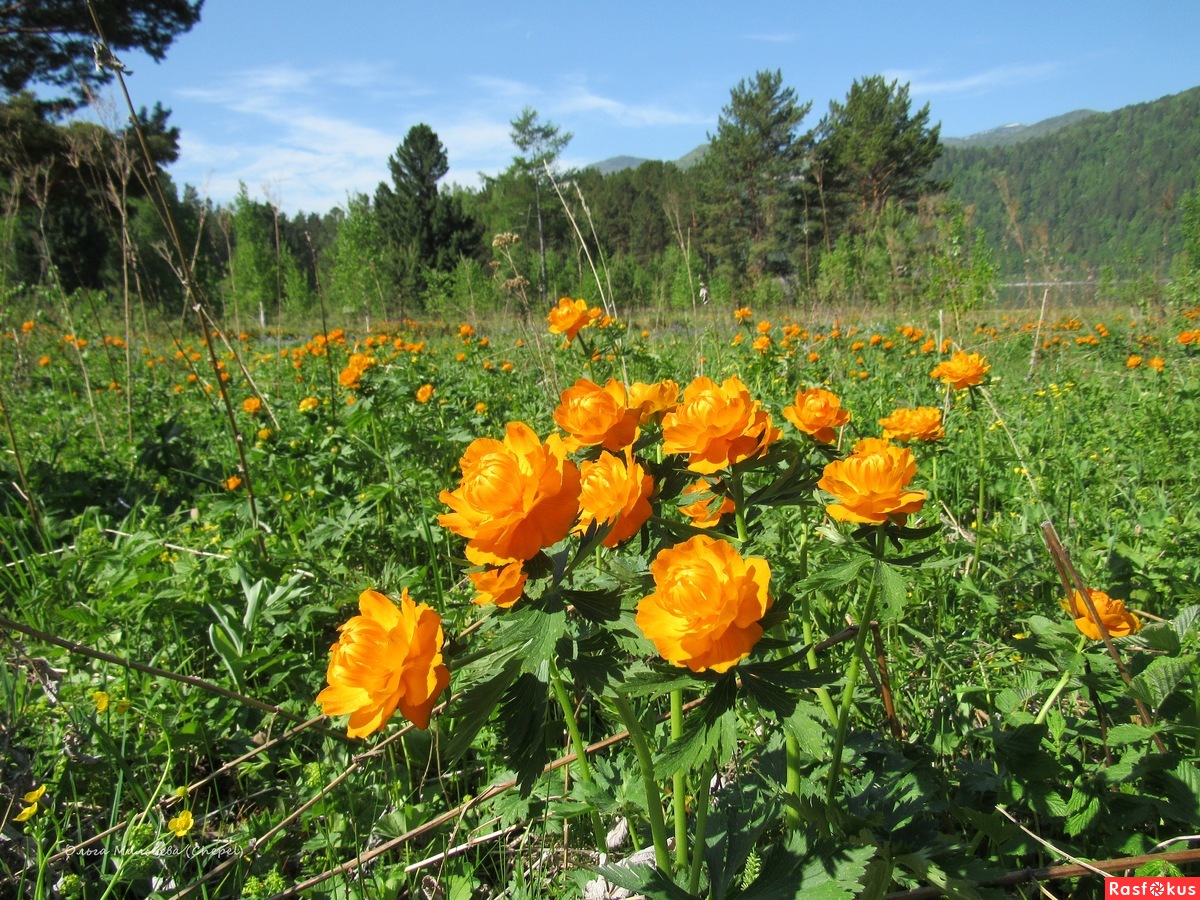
865	205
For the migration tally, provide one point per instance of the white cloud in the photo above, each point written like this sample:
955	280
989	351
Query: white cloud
920	82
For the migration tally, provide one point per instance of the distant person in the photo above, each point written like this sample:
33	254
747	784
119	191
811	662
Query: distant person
703	294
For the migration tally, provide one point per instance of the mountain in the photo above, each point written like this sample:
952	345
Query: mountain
616	164
1098	191
1015	134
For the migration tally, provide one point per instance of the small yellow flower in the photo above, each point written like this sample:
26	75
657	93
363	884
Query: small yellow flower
32	799
100	698
308	404
181	824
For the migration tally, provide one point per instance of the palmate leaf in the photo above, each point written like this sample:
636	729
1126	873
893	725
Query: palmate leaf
795	872
893	592
524	716
709	730
473	709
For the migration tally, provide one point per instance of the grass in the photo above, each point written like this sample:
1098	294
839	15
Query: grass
133	567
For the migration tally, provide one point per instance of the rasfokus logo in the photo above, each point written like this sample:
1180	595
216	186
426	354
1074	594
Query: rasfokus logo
1152	887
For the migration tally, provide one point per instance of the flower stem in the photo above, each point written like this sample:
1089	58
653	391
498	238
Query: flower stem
706	776
583	766
852	672
982	466
1061	685
658	827
679	785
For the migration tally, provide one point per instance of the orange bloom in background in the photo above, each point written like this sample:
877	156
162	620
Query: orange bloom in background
570	317
743	314
700	510
308	404
465	330
1133	361
1156	363
817	413
593	415
717	425
870	484
516	496
921	424
389	656
27	327
44	361
1189	337
962	370
232	483
502	587
653	401
707	603
252	405
1118	621
351	376
761	343
617	491
813	357
424	392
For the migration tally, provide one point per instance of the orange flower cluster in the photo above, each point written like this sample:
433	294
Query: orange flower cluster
502	587
570	317
252	405
717	426
700	510
387	657
594	415
962	370
653	401
1118	621
351	376
817	413
921	424
516	496
614	491
706	606
424	393
870	485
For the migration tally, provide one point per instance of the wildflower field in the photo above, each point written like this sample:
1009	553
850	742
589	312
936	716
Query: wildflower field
753	604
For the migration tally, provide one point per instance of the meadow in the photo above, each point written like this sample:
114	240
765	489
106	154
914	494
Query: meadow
658	601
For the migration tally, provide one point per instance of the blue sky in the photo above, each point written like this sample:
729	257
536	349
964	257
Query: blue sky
305	100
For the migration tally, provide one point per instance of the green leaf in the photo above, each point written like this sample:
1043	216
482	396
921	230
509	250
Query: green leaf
797	872
524	714
1128	733
596	606
835	576
1159	679
894	594
473	709
644	880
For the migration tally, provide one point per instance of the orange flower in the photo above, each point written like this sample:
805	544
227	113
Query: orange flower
743	314
27	327
1118	621
1133	361
465	330
707	603
571	316
761	343
385	658
921	424
700	510
516	496
351	376
252	405
424	392
717	425
817	413
869	485
232	483
503	586
1156	363
962	370
308	404
617	491
597	415
653	401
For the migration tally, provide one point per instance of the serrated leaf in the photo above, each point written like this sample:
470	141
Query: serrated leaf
644	880
893	592
473	709
1128	733
1156	682
524	714
597	606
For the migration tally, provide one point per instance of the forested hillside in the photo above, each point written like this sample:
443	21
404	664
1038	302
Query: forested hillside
1101	192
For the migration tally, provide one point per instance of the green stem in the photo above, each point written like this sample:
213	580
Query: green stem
852	672
658	827
982	467
706	777
583	766
679	785
739	503
1062	683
